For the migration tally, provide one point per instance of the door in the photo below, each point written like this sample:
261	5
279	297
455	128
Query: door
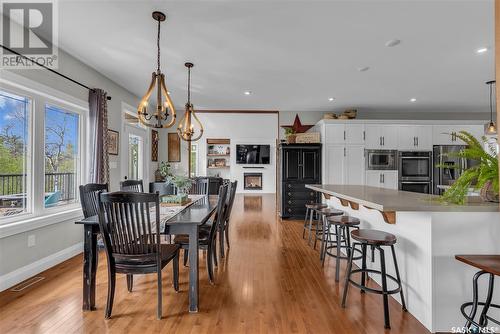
135	154
390	179
424	137
310	165
335	134
354	164
389	134
354	134
334	166
373	138
291	162
373	178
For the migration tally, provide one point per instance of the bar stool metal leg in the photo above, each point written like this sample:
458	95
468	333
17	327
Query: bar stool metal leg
482	319
363	267
348	275
338	230
305	223
324	241
310	226
396	267
384	288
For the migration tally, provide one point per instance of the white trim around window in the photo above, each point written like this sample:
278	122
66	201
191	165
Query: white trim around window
40	96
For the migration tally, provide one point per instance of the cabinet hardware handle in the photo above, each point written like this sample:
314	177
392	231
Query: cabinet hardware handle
417	141
383	178
344	134
380	140
289	186
380	178
344	152
312	194
289	202
289	194
364	135
414	141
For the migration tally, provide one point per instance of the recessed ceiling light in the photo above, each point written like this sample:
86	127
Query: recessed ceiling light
331	99
481	50
413	99
363	69
248	92
393	42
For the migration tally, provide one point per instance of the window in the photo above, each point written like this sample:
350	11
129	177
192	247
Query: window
135	157
61	156
14	122
42	139
194	160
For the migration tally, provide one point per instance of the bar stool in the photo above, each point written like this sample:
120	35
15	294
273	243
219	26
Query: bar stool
311	209
488	264
321	227
343	226
377	239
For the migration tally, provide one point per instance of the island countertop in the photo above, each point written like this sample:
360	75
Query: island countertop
389	200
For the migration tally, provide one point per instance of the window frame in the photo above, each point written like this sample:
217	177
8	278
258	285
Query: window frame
40	96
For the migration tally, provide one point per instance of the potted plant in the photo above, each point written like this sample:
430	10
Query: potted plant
290	135
165	170
182	183
482	176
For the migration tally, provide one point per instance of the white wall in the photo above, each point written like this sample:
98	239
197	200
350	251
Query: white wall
242	129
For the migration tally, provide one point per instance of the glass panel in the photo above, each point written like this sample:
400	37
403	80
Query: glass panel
14	124
194	160
134	157
61	156
415	167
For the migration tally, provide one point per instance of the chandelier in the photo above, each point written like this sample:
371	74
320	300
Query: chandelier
186	129
161	113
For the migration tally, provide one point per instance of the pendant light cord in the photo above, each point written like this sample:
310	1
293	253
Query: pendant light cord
189	85
158	45
491	101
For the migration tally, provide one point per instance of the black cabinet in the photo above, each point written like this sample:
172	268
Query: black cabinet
300	165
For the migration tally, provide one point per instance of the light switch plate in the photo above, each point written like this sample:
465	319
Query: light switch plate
31	240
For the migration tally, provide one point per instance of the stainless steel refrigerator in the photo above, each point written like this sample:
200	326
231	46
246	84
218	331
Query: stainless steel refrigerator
447	176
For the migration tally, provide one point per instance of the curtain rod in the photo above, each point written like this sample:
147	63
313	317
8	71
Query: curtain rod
49	69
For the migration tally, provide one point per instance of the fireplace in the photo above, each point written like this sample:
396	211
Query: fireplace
252	181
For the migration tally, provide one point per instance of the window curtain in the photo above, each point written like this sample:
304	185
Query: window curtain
98	137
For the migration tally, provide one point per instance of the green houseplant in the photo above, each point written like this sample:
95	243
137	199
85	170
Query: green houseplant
165	170
290	135
483	176
181	182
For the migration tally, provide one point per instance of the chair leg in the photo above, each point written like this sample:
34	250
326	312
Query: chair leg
221	242
226	232
130	282
214	253
347	276
387	321
159	308
186	257
111	291
403	304
210	268
305	224
175	265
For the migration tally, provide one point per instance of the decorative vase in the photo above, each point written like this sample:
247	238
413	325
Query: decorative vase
488	194
290	139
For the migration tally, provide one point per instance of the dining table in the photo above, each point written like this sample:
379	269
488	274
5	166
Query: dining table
174	220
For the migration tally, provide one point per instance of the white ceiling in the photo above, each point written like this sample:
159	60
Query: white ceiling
294	55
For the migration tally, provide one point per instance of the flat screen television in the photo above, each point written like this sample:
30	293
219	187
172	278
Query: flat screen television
253	154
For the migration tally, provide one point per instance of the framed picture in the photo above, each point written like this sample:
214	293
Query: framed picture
113	142
154	145
174	147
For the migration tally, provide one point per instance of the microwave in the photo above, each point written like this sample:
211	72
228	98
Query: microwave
381	159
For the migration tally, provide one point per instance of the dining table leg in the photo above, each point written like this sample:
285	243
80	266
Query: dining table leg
193	269
89	266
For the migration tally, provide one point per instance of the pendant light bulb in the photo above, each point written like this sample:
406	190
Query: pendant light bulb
491	128
164	106
186	128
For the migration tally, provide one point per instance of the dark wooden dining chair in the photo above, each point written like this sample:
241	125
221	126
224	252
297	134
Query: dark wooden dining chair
207	237
132	241
89	198
224	229
199	186
132	186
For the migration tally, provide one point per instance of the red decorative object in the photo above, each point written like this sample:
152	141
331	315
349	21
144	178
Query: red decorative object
297	126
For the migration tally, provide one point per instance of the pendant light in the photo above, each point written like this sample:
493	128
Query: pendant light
491	128
164	105
186	128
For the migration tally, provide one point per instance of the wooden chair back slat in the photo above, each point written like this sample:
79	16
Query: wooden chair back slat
132	186
89	198
125	218
199	186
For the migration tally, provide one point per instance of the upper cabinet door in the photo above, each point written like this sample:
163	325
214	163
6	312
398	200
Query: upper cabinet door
373	137
389	134
354	134
335	134
443	134
311	165
424	137
291	165
415	137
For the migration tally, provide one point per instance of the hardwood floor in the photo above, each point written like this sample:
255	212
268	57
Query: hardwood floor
269	282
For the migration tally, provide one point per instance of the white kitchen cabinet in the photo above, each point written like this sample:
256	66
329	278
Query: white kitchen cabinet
381	136
445	134
382	179
345	164
344	134
415	137
354	164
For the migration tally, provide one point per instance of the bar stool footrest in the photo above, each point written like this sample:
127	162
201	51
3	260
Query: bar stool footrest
371	290
344	257
466	314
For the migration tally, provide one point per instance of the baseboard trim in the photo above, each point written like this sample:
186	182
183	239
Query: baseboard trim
17	276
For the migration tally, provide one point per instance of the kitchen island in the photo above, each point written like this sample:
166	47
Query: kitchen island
430	233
